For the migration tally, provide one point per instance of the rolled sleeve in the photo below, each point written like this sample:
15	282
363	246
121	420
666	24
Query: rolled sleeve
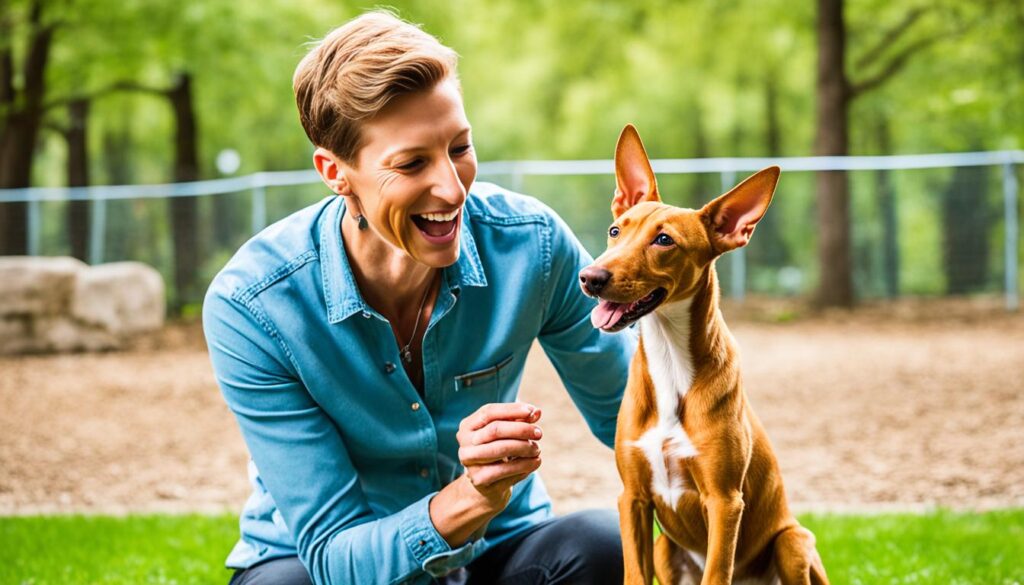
427	546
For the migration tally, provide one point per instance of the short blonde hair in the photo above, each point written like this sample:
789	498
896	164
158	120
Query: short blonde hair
357	69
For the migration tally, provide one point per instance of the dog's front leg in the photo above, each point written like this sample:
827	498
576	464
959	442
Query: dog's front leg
635	519
723	516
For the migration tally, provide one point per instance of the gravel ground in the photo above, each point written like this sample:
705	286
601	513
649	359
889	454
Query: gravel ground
902	407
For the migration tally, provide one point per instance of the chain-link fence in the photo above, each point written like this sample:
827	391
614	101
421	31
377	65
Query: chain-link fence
922	225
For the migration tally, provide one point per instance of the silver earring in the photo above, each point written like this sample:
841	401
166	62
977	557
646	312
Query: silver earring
361	222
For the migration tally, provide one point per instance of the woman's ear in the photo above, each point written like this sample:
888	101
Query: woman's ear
331	171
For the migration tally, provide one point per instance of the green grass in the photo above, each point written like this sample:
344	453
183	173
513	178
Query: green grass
941	547
133	550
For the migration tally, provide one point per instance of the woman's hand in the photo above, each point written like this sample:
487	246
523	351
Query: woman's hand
498	447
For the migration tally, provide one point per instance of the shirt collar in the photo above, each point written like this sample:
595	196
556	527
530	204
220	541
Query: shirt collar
341	293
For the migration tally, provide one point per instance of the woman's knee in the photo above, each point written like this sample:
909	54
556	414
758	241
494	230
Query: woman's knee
591	547
283	571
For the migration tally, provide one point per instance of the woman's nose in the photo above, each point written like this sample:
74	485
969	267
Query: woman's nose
448	185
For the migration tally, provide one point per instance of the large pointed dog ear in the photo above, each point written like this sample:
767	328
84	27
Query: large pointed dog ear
634	177
731	218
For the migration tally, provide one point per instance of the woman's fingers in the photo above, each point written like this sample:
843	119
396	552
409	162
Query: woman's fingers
497	444
489	413
532	418
503	429
494	451
483	476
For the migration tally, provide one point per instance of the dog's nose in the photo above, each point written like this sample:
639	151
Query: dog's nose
593	279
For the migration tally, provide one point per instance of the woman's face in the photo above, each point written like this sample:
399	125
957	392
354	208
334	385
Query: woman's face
413	172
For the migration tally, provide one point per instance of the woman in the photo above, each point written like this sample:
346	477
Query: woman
371	345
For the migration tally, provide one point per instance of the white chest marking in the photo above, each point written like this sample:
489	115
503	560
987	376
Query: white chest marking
666	337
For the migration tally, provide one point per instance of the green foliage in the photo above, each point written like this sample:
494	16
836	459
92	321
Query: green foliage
546	80
551	80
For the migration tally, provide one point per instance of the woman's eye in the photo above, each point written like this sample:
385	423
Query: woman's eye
461	150
613	232
411	165
664	240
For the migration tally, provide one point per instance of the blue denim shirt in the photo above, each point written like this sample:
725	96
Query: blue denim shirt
346	455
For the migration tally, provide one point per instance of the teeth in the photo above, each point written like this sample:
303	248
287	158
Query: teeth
440	216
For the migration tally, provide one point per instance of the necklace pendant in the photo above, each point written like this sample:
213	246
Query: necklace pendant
406	355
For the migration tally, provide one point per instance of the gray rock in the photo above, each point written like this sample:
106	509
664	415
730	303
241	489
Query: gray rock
122	298
62	304
32	285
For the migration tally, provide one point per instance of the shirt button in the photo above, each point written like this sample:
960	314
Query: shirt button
424	472
366	315
389	367
415	405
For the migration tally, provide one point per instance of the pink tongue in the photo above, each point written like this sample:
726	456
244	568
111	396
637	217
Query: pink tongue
607	314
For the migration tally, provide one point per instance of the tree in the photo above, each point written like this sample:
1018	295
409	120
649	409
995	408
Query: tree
77	224
886	197
835	93
184	214
967	218
22	91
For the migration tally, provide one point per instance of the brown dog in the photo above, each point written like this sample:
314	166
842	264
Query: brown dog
688	446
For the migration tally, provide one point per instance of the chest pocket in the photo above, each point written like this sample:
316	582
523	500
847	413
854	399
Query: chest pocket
483	385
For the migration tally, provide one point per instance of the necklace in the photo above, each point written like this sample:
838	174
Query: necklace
406	350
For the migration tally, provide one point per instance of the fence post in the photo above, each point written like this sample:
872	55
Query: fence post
35	227
516	179
1012	243
259	207
97	229
739	255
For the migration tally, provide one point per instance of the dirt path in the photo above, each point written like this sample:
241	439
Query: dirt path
864	412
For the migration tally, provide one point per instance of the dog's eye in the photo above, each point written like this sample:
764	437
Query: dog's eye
664	240
613	232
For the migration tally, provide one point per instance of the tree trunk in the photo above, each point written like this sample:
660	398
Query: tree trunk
890	219
706	185
184	210
225	217
836	285
23	118
123	218
770	249
966	225
78	176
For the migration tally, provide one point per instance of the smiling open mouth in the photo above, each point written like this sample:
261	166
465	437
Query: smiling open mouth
611	317
437	228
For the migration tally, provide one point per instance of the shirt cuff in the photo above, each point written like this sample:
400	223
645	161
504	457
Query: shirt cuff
428	547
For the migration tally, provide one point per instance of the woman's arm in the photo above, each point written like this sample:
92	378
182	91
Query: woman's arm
306	467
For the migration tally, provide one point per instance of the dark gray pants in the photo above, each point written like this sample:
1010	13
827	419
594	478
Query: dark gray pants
579	548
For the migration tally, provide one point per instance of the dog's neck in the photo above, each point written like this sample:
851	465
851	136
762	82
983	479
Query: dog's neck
687	338
666	338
